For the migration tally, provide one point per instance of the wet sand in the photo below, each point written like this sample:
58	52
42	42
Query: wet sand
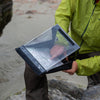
30	18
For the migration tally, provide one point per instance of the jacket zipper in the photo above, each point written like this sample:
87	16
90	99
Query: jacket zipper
87	26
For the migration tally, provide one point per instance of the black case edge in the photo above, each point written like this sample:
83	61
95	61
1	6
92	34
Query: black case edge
29	62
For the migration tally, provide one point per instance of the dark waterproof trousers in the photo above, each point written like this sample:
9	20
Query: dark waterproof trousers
94	80
36	86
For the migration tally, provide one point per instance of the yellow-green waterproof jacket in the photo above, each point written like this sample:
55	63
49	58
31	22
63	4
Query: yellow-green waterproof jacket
84	16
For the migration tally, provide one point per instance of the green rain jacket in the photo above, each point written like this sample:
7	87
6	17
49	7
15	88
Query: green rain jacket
84	17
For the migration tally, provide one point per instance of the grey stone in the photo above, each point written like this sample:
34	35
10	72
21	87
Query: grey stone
93	93
61	90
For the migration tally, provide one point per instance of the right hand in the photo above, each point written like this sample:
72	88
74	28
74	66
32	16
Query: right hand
73	69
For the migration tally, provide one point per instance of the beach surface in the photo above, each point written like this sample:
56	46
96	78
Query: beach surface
30	18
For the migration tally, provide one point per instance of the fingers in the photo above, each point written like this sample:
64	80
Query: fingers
69	72
73	70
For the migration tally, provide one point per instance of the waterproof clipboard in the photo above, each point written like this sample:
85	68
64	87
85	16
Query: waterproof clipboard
37	51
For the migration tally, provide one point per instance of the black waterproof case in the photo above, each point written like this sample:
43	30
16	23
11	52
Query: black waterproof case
37	52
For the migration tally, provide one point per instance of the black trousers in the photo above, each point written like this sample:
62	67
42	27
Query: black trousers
93	80
36	86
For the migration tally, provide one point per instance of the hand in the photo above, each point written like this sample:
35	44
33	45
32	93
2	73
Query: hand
56	51
73	70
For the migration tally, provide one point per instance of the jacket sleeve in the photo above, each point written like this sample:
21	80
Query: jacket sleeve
89	66
63	14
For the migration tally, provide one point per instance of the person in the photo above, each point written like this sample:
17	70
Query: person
83	17
5	13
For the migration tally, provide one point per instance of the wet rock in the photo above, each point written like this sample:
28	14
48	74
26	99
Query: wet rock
61	90
92	93
58	90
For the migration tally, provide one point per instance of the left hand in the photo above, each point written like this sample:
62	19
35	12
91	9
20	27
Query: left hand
73	70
